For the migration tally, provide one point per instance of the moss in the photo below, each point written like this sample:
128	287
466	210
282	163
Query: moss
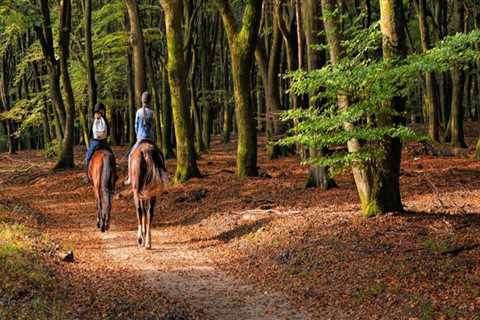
371	209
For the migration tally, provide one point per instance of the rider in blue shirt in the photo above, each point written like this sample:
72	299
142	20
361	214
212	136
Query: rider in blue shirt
144	127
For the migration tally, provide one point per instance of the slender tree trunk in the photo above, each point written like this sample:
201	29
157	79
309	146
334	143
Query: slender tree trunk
186	163
91	82
138	50
458	81
131	100
318	176
45	117
156	98
431	94
167	148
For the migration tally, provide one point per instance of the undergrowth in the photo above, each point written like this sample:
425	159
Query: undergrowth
27	285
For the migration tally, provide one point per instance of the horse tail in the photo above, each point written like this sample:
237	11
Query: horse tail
108	180
154	168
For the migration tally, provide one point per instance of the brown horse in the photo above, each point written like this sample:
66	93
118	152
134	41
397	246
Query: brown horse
148	176
102	172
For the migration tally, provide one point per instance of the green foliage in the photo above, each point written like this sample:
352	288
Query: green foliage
367	84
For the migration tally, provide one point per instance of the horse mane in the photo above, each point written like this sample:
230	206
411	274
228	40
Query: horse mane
152	164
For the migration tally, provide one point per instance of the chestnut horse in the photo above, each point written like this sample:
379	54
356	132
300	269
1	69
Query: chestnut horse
148	176
102	172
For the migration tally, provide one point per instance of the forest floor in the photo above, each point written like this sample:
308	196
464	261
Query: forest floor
260	248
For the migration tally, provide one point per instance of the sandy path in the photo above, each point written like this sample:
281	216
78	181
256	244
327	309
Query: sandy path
187	273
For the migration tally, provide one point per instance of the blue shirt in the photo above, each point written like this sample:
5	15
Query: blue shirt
144	127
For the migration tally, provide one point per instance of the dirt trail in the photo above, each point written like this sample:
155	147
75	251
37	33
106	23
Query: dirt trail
187	273
175	268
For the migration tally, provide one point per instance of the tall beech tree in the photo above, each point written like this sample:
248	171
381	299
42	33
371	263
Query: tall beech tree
242	41
177	76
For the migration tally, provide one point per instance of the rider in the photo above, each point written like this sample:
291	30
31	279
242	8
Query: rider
99	132
144	127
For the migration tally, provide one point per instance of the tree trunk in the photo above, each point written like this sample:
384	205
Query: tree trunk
66	159
377	181
242	46
156	98
45	117
431	94
186	163
138	50
458	81
318	176
131	100
91	82
45	36
167	148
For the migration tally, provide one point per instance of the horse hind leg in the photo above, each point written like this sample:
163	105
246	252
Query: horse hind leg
99	213
148	216
138	211
144	221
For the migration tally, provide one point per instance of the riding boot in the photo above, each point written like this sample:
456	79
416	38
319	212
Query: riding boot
86	178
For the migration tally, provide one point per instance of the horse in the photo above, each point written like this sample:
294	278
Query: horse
148	177
102	172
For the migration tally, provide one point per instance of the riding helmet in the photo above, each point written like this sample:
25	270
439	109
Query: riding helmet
99	107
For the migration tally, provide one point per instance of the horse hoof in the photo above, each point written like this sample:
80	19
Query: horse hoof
140	242
102	229
98	224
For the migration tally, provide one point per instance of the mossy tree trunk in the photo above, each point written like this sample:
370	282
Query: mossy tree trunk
186	163
242	42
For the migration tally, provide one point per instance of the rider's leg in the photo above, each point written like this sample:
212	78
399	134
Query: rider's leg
90	151
128	180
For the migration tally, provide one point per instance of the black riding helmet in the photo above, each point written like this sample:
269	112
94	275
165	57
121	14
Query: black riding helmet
99	107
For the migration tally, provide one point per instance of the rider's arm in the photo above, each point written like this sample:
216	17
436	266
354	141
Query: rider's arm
137	121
